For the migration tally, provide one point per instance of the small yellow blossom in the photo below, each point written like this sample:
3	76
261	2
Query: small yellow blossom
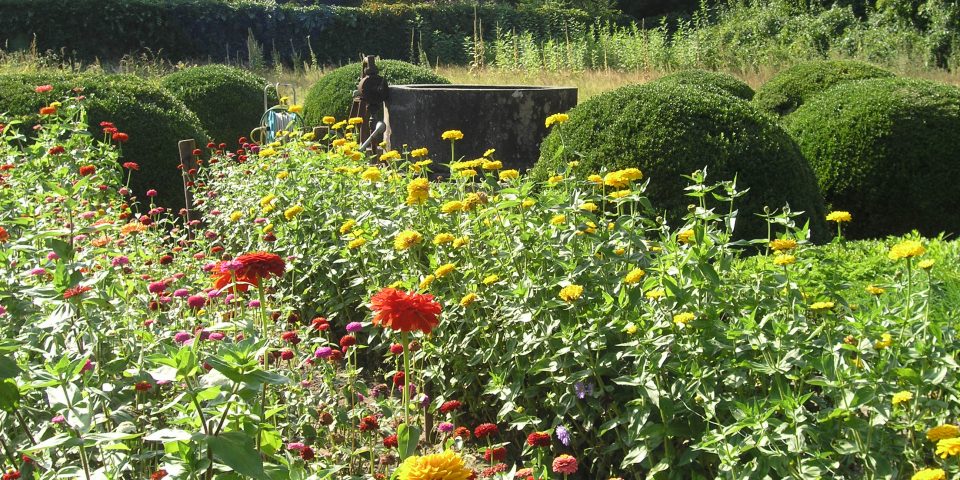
418	191
355	121
839	216
468	299
941	432
347	226
444	270
948	447
328	120
528	202
656	294
407	239
452	206
683	318
236	216
630	329
925	264
903	397
875	290
283	175
371	174
558	219
509	175
556	118
821	306
886	340
461	242
452	135
391	155
620	194
685	236
554	180
589	207
295	108
633	276
492	165
292	212
419	152
467	173
442	238
425	283
490	151
491	279
571	293
597	179
906	249
930	474
783	260
783	244
356	243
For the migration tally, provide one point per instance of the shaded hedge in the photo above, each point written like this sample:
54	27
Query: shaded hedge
217	30
228	101
669	131
792	87
715	82
151	116
887	151
333	94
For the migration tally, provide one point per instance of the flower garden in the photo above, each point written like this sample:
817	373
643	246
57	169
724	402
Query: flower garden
324	314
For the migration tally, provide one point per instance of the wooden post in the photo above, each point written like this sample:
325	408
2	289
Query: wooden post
187	162
320	132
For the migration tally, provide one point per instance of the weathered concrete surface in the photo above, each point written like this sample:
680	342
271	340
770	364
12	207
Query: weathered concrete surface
507	118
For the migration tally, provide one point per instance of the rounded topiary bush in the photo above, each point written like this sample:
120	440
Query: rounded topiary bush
715	82
228	101
887	151
332	95
668	131
154	120
791	88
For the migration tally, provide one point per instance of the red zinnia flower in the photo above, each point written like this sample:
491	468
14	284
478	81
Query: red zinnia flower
306	453
320	323
347	341
399	379
75	291
369	423
48	110
120	137
485	429
158	474
491	471
131	165
565	464
290	337
336	356
253	268
390	441
396	349
538	439
450	406
462	432
405	311
106	124
143	386
4	235
286	354
43	88
56	150
88	170
495	454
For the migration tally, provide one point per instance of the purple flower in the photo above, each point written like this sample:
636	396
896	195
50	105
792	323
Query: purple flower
445	427
354	327
229	298
53	256
425	401
563	435
216	336
120	261
196	301
230	266
166	299
323	352
151	193
296	446
156	287
254	304
3	310
181	293
58	420
182	337
213	293
38	271
87	366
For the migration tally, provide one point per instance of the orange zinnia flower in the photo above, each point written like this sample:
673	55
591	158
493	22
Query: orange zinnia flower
248	269
405	311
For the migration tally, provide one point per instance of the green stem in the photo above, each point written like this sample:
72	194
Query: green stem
405	339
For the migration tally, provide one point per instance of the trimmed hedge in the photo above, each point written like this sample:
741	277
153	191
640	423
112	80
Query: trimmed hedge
219	31
671	130
333	94
154	119
791	88
887	151
228	101
715	82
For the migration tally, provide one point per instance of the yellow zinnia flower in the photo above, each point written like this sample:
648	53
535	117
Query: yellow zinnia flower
555	180
347	226
371	174
906	249
355	121
438	466
784	260
444	270
903	397
948	447
633	277
442	238
616	179
925	264
589	207
571	293
874	290
452	206
597	179
356	243
839	216
418	191
820	306
236	216
886	340
620	194
783	244
930	474
292	212
558	219
509	175
528	202
328	120
491	279
452	135
282	175
685	236
407	239
468	299
295	108
683	318
419	152
941	432
491	165
461	242
391	155
656	294
425	284
556	118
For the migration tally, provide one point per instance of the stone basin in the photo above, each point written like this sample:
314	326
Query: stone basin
508	118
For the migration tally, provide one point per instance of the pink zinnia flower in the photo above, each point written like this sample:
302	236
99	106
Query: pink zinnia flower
182	337
565	464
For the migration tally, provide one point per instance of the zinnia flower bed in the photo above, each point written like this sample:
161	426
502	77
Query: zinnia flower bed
321	321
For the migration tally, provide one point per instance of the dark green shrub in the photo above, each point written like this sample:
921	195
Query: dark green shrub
716	82
228	101
668	131
154	120
332	94
887	151
791	88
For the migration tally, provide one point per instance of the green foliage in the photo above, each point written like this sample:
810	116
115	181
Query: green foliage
885	150
714	82
212	29
668	131
794	86
153	118
228	101
333	94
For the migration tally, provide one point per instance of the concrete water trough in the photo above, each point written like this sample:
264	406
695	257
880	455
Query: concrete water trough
508	118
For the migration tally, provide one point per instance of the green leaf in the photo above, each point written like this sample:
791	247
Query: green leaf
8	368
236	450
407	438
9	395
168	435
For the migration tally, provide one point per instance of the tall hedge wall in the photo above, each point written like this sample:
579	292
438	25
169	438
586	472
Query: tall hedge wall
216	30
